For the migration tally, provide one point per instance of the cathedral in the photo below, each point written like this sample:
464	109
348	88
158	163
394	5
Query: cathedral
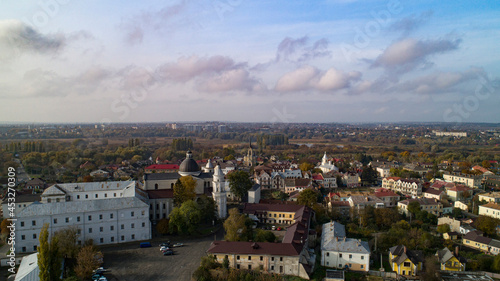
209	181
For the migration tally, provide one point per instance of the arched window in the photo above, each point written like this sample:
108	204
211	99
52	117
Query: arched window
172	185
156	186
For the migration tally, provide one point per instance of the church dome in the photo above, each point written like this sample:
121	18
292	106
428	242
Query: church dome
189	167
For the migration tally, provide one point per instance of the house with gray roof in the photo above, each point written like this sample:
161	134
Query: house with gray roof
338	251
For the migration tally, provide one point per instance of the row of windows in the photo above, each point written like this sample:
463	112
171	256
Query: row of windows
101	229
101	240
349	265
284	216
340	255
97	195
157	206
66	220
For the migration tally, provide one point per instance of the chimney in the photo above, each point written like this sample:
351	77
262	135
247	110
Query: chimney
456	251
404	249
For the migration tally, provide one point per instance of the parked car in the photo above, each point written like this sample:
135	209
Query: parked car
178	245
168	252
279	228
164	248
166	244
145	245
273	227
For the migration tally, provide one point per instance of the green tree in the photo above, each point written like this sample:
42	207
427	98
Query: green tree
207	207
307	197
162	226
44	254
414	207
304	167
456	213
88	259
264	236
239	183
431	272
487	224
55	259
225	262
496	264
369	176
184	190
443	228
185	219
67	240
237	226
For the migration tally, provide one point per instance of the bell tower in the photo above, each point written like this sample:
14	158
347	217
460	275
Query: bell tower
219	193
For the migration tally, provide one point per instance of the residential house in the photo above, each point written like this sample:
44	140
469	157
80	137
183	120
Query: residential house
476	240
254	194
161	168
490	210
342	208
297	184
264	179
453	223
351	180
274	213
471	181
461	205
383	171
389	198
330	180
359	202
429	205
433	193
490	197
100	174
291	257
452	235
389	182
408	187
36	184
338	251
450	261
404	261
459	192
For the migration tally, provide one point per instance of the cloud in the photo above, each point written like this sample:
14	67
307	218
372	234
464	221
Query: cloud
187	68
17	37
407	54
438	83
298	50
408	24
310	78
232	80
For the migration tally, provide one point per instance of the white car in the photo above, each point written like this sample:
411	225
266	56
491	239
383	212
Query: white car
163	248
177	245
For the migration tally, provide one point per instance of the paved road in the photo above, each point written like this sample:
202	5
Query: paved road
21	174
131	263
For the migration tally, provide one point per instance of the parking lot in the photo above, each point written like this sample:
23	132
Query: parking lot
129	262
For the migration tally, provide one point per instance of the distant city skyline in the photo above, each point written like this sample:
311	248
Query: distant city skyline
344	61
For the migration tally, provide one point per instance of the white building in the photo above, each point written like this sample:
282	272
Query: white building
28	270
469	180
219	193
490	210
106	212
326	165
340	252
254	194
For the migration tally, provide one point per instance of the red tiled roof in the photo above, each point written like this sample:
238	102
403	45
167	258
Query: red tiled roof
384	192
253	248
459	188
434	191
160	193
318	177
254	207
163	167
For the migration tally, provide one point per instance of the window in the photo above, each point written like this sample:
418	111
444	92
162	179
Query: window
406	264
114	194
101	240
362	266
90	218
237	266
132	226
101	229
340	255
272	258
111	215
123	237
261	257
48	201
156	186
77	219
272	267
78	197
122	226
350	256
100	217
96	195
340	265
249	266
23	249
249	258
327	254
105	195
238	257
23	237
362	257
90	230
133	236
33	223
143	224
34	248
164	206
22	223
86	196
66	220
350	265
112	239
281	258
55	221
112	228
34	235
131	214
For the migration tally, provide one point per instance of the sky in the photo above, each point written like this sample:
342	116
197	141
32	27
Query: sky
65	61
